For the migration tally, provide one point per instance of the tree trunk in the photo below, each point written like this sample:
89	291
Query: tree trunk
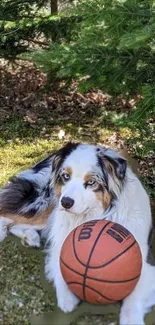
54	6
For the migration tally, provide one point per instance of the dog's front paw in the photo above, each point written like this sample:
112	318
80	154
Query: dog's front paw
3	230
67	301
31	238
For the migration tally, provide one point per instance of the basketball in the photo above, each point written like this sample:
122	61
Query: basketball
101	262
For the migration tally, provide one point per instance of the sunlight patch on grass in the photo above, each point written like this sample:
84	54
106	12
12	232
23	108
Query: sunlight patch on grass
18	156
126	132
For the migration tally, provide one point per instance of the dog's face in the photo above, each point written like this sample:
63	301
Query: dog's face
87	178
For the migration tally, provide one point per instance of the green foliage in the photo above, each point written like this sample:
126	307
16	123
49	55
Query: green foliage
16	25
25	22
114	48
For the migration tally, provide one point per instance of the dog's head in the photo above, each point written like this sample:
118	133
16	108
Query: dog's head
87	177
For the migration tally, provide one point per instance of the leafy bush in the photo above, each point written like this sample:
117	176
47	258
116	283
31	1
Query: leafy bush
113	48
25	22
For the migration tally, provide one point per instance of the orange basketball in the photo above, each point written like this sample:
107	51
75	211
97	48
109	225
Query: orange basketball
101	262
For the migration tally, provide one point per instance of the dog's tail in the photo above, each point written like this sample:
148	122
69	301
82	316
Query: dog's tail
28	193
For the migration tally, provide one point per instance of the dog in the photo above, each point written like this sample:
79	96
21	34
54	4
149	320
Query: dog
76	184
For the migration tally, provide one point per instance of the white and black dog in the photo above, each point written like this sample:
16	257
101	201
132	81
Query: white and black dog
76	184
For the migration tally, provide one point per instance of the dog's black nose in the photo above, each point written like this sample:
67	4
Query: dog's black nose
67	202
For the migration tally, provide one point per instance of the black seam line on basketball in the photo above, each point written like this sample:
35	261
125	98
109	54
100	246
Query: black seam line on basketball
98	267
89	258
73	240
109	281
114	258
70	267
99	280
91	289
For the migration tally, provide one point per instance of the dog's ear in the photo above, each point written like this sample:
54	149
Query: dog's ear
56	162
61	155
115	164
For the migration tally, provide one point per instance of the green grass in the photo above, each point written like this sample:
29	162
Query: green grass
21	146
21	292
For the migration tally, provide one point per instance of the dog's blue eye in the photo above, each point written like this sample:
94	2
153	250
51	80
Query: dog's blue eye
66	177
91	182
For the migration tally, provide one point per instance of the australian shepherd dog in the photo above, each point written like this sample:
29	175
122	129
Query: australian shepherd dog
79	183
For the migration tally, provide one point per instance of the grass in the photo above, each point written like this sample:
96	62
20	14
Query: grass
22	292
22	146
